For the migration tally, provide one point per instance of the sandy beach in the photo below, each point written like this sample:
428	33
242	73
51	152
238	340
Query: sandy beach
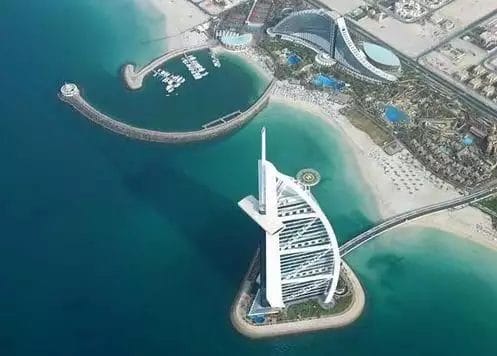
255	60
180	17
399	183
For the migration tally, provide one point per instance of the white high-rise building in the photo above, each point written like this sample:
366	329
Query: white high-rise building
327	33
299	257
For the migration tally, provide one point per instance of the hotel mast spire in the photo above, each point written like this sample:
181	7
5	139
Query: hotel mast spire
263	144
262	174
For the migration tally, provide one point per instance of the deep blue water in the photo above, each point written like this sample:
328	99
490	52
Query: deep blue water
115	247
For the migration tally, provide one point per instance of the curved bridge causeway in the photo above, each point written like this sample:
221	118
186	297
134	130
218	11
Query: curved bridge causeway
134	79
403	218
70	94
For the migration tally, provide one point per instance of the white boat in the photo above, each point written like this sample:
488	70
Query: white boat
171	81
193	66
215	61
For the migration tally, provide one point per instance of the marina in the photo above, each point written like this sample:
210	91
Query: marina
133	77
196	69
171	81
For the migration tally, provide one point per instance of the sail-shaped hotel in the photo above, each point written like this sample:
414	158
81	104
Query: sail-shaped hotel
299	255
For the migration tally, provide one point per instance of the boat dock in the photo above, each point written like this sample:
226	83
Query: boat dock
170	81
134	78
196	69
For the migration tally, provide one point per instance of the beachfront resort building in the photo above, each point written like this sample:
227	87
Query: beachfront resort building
327	34
234	41
300	258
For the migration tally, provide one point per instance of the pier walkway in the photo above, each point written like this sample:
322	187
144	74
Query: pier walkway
73	97
222	120
134	79
397	220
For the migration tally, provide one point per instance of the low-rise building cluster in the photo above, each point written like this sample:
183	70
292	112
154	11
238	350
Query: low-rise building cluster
448	157
411	10
481	79
485	35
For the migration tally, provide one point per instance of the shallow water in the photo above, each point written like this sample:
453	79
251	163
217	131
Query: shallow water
116	247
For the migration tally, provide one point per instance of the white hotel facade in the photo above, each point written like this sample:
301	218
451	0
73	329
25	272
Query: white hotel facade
326	33
300	258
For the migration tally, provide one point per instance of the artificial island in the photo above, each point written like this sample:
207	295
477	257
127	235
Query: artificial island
418	79
297	281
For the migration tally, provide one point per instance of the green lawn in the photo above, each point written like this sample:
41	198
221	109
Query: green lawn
312	309
490	203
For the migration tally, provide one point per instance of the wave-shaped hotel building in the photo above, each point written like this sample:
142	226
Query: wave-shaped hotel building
300	258
326	33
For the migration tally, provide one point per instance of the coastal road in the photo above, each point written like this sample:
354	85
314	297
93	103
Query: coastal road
400	219
459	32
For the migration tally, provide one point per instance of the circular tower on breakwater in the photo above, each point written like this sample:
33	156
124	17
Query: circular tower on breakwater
69	90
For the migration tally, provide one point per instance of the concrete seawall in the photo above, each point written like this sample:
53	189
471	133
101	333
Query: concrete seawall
348	316
134	79
121	128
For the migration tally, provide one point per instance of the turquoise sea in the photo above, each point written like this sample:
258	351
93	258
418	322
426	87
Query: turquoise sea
115	247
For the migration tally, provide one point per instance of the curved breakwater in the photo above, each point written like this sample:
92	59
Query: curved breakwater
119	127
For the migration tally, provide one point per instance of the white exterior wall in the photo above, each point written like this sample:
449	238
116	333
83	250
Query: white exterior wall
302	255
316	43
273	273
359	55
